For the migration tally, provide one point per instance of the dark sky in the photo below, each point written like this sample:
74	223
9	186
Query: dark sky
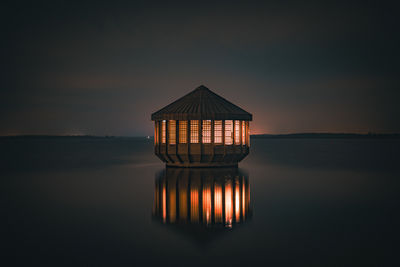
102	68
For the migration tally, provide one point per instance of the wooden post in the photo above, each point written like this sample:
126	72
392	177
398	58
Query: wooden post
234	131
212	131
201	138
166	134
223	138
212	141
188	139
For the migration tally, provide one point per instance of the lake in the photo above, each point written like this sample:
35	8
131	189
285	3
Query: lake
82	201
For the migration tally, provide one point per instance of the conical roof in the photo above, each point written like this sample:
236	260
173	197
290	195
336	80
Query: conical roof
201	104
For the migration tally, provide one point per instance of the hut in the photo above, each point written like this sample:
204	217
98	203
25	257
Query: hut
201	129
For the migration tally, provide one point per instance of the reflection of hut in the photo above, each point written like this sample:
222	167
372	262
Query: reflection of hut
209	197
201	129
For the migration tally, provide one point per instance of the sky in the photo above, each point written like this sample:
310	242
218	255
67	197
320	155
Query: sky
102	67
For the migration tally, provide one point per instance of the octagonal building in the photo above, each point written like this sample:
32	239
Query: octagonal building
201	129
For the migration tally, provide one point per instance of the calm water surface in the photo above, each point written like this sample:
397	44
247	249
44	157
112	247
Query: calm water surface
110	201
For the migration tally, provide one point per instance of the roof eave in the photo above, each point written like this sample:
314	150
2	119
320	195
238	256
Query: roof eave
191	116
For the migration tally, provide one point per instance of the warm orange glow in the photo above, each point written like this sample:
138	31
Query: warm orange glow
194	205
164	202
172	132
202	199
228	132
156	132
228	203
183	199
237	200
243	132
243	197
217	132
207	204
206	132
182	132
218	203
172	200
237	132
194	131
248	133
247	197
163	132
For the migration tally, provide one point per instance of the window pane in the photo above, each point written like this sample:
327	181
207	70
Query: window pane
237	132
217	132
182	132
194	131
172	132
206	133
228	132
163	131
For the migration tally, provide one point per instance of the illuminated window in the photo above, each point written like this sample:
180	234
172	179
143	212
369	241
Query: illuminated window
217	132
194	131
237	132
163	128
243	132
206	134
182	132
228	132
172	132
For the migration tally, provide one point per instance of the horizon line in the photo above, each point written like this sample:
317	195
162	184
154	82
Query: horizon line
252	135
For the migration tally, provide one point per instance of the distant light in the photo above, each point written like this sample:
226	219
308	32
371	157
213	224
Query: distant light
148	137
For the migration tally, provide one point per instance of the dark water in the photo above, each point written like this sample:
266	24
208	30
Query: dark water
90	202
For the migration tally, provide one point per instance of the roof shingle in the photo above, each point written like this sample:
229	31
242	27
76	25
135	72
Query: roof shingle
201	104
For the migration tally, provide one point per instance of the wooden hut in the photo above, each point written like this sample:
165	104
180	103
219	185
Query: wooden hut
201	129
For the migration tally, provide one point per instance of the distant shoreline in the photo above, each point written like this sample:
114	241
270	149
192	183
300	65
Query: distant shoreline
254	136
326	136
67	136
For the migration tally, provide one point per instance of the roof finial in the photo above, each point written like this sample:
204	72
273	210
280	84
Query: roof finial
202	87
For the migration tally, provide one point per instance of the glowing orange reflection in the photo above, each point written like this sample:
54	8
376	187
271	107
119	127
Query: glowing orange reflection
194	205
207	204
237	200
172	200
228	203
164	202
200	197
243	198
183	199
218	203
